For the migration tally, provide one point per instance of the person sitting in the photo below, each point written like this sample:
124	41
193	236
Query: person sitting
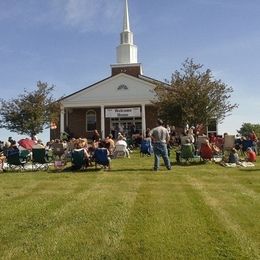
81	147
12	149
252	136
38	145
250	155
233	156
206	151
187	151
245	143
138	140
110	144
2	161
96	136
121	142
146	147
101	157
212	138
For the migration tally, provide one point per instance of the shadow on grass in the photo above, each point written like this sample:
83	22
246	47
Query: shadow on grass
189	163
132	170
71	170
250	170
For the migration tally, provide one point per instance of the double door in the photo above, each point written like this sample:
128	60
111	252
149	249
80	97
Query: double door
126	125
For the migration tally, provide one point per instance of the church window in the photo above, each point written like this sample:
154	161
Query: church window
91	120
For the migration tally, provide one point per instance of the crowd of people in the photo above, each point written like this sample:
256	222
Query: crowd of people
68	147
158	141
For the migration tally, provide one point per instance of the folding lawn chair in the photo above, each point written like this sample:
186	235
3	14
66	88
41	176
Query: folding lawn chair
25	155
39	159
229	142
120	151
206	152
14	161
101	157
78	160
187	152
58	150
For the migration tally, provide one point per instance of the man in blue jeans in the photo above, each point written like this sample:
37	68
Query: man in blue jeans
160	137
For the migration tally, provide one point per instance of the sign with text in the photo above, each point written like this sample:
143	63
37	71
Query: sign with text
123	112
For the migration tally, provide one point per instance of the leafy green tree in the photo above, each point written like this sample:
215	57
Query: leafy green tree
247	128
30	112
193	97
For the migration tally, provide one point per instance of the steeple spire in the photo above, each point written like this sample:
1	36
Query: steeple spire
126	51
126	27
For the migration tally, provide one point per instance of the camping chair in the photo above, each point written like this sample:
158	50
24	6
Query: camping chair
120	151
146	147
101	157
246	143
229	142
58	150
200	140
186	153
39	159
14	161
206	152
78	160
58	153
25	155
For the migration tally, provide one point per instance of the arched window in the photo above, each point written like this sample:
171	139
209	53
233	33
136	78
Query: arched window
91	120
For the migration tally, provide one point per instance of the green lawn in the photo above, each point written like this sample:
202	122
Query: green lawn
201	211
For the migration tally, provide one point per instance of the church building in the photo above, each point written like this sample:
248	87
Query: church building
116	103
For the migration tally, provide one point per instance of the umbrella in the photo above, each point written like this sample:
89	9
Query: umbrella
26	143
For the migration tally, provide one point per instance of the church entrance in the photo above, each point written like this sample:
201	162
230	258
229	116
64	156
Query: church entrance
127	126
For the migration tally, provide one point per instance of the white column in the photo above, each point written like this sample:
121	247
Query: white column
143	119
102	122
66	118
62	119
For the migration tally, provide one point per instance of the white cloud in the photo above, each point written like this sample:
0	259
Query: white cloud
90	15
103	16
78	11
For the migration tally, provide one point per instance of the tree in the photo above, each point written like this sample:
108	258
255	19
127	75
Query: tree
31	112
193	97
247	128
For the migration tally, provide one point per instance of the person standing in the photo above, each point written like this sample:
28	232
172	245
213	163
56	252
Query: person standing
160	137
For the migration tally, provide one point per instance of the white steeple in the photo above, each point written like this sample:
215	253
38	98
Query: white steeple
126	51
126	27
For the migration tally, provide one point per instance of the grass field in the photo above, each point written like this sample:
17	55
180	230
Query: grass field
201	211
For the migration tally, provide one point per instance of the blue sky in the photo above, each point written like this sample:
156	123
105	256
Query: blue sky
71	44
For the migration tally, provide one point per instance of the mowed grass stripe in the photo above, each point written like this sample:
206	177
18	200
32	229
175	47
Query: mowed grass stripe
246	185
90	224
106	211
249	246
28	214
238	196
171	221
